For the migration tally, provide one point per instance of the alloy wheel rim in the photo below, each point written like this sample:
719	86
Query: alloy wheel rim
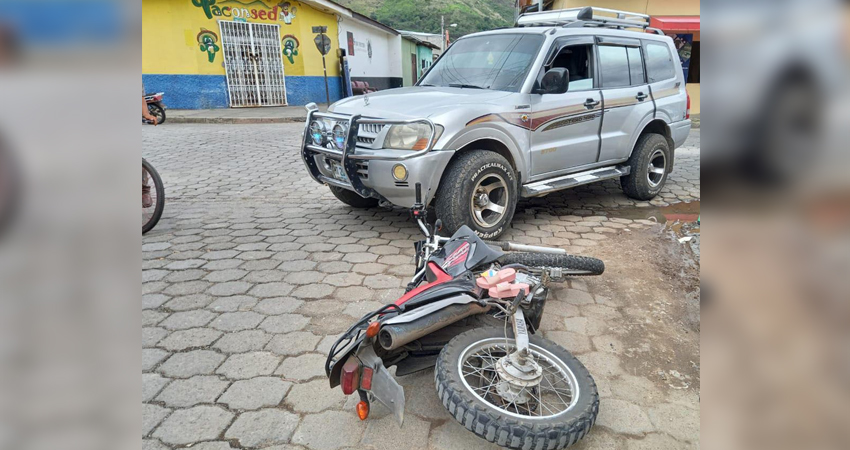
489	201
656	169
556	394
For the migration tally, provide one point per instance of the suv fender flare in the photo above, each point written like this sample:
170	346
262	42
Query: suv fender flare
654	125
468	137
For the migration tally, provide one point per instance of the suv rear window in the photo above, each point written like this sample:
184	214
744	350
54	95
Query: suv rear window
659	62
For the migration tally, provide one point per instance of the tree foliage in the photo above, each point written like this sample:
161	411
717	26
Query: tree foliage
416	15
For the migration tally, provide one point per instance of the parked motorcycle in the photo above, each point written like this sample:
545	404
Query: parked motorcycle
474	311
156	107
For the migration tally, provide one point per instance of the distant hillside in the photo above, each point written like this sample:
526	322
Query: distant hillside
418	15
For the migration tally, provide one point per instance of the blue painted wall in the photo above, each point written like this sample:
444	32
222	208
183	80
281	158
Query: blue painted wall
210	91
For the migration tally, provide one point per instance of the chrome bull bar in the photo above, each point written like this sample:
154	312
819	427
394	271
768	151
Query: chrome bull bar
348	155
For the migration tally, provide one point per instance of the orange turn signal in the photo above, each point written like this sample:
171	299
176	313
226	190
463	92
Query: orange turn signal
420	144
362	410
373	329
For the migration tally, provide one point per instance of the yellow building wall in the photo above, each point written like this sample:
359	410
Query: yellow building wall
173	32
693	91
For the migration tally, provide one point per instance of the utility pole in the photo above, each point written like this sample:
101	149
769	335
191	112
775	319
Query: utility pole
442	34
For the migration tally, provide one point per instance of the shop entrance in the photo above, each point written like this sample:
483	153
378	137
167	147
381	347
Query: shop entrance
253	64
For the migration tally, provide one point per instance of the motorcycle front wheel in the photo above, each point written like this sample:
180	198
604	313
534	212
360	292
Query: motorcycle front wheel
553	413
152	214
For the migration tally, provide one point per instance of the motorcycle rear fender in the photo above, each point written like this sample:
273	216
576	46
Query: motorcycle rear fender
385	389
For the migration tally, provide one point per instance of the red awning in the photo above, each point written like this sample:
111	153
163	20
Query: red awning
675	23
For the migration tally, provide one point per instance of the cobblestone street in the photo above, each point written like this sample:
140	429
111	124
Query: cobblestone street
254	270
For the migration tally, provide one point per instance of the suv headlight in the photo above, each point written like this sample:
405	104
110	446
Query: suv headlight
412	136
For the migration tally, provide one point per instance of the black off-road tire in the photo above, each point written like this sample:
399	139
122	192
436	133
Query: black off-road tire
635	184
454	196
157	112
508	431
352	198
581	265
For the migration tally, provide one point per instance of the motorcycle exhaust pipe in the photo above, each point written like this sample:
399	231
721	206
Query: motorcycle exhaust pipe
393	336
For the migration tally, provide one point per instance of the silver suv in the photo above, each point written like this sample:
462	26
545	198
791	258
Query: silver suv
564	98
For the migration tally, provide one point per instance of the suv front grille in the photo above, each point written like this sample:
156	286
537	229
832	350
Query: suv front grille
363	170
367	133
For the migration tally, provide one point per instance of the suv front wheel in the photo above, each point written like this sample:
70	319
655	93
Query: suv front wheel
478	190
649	164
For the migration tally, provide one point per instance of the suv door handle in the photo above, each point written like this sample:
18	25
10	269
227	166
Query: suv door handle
590	103
641	96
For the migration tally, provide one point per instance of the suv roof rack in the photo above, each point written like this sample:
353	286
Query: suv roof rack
584	17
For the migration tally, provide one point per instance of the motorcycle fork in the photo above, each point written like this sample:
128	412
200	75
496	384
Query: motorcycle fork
520	337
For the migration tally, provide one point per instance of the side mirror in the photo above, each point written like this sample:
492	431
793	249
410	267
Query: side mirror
555	81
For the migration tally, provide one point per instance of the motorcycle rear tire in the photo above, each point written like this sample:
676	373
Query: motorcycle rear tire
574	265
157	112
508	430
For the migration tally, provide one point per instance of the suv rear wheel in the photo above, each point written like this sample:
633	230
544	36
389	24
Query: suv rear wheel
649	164
478	190
352	198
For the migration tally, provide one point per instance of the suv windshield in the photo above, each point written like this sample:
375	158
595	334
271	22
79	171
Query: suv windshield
499	62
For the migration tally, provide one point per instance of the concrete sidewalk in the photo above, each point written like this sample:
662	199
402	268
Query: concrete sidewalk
283	114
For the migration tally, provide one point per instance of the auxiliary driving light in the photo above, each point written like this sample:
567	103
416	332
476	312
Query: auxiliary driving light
317	132
339	133
400	172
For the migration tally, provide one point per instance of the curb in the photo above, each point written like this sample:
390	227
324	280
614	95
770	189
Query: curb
236	120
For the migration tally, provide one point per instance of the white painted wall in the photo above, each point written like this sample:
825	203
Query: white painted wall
386	50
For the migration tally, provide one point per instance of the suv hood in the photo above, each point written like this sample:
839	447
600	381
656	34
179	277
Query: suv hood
415	101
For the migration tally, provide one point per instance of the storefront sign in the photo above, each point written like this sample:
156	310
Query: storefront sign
283	12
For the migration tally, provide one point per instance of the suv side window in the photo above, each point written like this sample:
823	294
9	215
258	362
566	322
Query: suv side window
659	62
614	66
576	59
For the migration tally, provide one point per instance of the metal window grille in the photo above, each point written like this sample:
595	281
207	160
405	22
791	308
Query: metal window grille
253	64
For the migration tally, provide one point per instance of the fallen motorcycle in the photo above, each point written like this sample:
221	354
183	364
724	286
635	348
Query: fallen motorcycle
156	107
474	311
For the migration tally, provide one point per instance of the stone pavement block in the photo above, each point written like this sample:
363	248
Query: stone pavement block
303	367
386	433
237	321
233	304
623	417
249	365
187	319
284	323
195	362
191	338
243	341
151	357
189	302
654	441
315	396
279	305
255	393
317	433
575	343
187	426
263	428
676	420
152	415
230	288
152	335
152	383
193	391
269	290
293	343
